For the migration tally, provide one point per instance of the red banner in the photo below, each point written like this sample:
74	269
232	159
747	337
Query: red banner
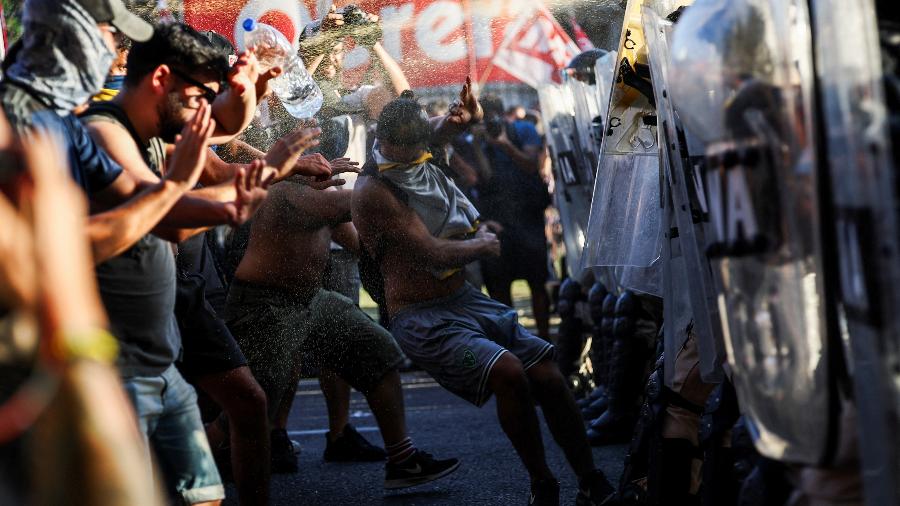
437	42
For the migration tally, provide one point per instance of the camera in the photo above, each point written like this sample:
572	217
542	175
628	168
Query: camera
494	126
315	41
353	15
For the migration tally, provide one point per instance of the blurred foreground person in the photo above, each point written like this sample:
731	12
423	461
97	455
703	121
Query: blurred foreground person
280	314
85	435
423	231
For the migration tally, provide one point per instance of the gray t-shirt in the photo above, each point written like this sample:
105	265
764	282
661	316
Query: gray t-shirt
138	286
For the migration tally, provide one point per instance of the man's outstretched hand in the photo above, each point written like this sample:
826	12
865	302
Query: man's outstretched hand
285	155
466	110
344	165
252	189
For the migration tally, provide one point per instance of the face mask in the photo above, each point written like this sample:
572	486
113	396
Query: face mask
64	59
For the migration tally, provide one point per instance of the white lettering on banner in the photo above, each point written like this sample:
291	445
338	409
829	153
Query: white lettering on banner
484	38
393	19
295	11
434	24
356	57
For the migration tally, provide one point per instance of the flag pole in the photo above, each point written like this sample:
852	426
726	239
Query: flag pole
531	7
470	42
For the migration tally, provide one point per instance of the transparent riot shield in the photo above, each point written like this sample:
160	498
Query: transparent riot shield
689	291
587	114
864	197
573	180
571	113
740	78
625	224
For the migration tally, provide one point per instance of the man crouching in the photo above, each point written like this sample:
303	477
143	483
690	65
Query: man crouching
422	230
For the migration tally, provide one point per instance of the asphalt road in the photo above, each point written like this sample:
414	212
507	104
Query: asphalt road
440	423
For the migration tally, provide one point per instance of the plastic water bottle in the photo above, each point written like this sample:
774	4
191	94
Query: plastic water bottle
297	90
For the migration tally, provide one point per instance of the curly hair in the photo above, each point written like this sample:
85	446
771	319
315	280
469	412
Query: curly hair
403	122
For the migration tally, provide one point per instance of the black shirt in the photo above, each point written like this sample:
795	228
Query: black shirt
138	286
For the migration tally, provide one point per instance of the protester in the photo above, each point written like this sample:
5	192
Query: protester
180	71
422	229
279	312
45	212
116	77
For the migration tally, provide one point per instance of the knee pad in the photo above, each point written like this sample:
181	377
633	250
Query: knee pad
569	295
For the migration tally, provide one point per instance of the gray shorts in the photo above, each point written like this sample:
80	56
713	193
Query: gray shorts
169	419
276	330
458	339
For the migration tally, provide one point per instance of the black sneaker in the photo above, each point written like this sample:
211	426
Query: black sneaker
544	493
351	446
594	490
283	458
418	469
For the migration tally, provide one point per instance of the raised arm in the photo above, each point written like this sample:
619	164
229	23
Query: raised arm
115	230
464	112
392	70
385	225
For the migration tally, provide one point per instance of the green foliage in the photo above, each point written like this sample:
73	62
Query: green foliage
12	11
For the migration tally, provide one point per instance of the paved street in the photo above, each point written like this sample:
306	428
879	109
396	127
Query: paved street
441	424
490	473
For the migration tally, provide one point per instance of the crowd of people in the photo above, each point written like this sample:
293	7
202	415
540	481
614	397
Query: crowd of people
129	147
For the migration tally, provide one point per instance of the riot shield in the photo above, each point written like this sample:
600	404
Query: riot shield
854	119
625	224
740	78
570	112
689	288
573	181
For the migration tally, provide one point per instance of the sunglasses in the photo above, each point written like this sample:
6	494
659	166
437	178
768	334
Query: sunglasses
208	93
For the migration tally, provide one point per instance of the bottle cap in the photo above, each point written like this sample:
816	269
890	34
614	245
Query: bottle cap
249	25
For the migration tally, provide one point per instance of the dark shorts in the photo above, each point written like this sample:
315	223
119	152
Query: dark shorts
523	255
208	346
458	339
276	329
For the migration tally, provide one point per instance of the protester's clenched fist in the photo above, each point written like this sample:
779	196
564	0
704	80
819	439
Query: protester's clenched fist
490	241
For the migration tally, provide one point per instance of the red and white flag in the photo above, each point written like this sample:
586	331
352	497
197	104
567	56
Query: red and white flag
581	38
535	47
3	28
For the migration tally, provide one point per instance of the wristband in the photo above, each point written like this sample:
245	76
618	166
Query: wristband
91	344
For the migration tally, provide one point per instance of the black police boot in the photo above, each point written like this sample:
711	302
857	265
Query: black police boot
604	321
675	476
628	364
571	328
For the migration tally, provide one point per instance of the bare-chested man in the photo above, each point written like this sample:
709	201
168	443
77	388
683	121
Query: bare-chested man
279	313
422	230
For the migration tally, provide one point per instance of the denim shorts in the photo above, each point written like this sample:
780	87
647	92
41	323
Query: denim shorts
166	408
458	339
